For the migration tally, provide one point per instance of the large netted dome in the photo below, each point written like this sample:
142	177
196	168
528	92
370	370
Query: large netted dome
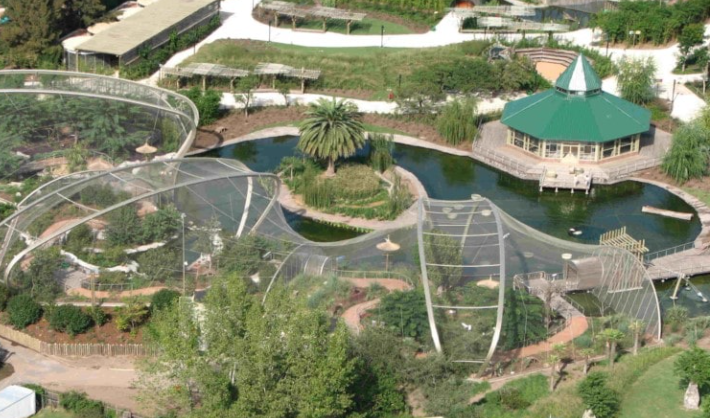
471	260
48	112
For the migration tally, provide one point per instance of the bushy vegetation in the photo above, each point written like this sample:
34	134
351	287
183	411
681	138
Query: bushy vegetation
164	298
150	60
457	121
657	23
39	280
597	396
688	156
381	148
636	78
23	311
523	321
405	314
207	103
69	319
81	406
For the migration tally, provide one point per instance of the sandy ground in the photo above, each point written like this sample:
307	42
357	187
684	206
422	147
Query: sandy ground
550	71
120	295
106	379
576	327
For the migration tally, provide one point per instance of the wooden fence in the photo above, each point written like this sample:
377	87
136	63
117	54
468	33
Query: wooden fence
73	350
20	338
85	350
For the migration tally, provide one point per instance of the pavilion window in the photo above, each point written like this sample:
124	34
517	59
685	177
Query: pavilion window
609	149
534	145
552	150
587	152
519	139
626	145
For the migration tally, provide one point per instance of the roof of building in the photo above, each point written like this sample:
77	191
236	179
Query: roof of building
13	394
576	110
140	27
579	76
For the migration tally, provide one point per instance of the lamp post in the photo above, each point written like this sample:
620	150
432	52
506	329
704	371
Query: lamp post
184	263
634	35
269	30
382	36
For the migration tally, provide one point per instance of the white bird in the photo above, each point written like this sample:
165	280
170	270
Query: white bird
466	326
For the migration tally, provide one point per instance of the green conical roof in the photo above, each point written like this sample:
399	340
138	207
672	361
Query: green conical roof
579	77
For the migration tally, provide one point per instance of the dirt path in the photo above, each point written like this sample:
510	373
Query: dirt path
353	314
576	327
102	294
106	379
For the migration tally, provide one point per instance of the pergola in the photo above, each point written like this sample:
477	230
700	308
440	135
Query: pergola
276	70
205	70
289	9
518	11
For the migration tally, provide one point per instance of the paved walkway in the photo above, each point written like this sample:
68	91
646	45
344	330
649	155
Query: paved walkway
109	379
239	24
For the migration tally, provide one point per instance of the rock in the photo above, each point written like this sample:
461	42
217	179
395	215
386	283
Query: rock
588	414
692	397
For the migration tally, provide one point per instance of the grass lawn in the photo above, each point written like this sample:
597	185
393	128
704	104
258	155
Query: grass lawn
53	413
369	69
367	26
656	394
703	195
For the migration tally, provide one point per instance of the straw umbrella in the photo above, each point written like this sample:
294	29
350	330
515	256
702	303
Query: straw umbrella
387	247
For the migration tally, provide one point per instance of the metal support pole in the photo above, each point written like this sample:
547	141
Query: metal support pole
184	263
382	36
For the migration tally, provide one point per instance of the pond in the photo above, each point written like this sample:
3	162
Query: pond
452	177
687	296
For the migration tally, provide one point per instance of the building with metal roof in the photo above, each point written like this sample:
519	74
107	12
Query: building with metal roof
150	27
576	120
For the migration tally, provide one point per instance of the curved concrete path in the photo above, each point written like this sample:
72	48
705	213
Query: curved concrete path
239	24
352	315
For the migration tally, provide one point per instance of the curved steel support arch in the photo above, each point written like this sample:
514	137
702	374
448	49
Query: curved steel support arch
425	277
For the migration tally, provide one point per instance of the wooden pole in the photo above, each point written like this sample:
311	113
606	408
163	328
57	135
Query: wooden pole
347	23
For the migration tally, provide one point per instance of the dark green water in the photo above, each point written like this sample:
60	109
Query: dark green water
687	296
452	177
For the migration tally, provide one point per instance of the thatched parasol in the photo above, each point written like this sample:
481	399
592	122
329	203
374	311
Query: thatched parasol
146	150
387	247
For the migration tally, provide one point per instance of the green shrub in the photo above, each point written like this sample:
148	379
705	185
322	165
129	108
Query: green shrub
81	406
381	148
583	341
23	311
162	299
457	121
161	224
597	396
69	319
4	296
676	316
354	182
318	193
97	314
130	316
405	313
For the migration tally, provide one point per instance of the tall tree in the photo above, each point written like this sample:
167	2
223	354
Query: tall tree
637	327
690	36
332	130
611	337
33	31
635	79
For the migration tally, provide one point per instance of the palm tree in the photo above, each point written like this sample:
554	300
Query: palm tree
612	337
332	130
636	327
587	353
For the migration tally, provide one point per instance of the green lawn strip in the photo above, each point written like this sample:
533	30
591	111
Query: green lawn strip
656	394
367	26
702	195
53	413
368	69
